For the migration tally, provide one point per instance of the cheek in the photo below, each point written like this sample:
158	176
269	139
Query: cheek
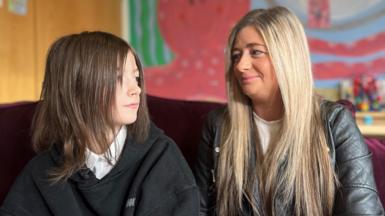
115	113
271	73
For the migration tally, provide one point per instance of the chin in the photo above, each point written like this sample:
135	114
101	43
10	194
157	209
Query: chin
129	120
251	94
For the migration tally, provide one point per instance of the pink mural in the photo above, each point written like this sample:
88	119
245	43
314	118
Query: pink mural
318	14
346	38
362	47
196	32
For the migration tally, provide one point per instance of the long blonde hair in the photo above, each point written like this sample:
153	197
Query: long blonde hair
297	167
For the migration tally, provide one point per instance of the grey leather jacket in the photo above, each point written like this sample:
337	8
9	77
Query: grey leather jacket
349	155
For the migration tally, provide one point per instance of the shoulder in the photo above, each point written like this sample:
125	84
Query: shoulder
37	168
344	135
334	111
37	165
24	190
166	172
217	114
336	114
215	118
174	160
168	158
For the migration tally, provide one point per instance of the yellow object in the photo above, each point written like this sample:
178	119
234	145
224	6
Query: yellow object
364	106
25	39
376	129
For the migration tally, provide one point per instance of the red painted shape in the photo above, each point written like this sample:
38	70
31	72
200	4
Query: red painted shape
196	32
360	47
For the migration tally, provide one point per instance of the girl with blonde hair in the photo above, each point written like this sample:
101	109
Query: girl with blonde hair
277	148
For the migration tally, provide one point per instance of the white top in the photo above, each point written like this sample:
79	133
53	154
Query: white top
98	163
267	131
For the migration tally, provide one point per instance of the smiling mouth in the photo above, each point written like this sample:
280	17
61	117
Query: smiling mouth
248	79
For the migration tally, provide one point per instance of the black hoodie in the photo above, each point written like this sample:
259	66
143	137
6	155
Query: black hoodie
149	179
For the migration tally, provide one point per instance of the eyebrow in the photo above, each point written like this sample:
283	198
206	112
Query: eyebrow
249	45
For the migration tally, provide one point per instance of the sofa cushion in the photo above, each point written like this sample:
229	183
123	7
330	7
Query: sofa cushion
377	147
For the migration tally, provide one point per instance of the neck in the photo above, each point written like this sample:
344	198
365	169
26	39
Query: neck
111	137
269	111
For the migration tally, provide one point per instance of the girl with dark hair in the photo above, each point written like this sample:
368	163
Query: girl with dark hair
98	152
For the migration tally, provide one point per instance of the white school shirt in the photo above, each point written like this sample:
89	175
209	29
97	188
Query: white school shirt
98	163
267	131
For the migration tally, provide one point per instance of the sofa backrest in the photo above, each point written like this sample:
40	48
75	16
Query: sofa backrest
15	144
182	121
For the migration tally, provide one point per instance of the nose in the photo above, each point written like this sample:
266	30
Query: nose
244	63
134	89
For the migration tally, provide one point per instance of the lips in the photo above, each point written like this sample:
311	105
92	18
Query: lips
249	78
132	105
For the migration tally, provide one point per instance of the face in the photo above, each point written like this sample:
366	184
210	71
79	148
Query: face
127	95
252	66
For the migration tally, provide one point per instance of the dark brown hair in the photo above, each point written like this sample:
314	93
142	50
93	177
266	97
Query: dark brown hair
78	92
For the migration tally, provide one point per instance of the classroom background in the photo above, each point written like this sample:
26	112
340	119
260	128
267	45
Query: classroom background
181	44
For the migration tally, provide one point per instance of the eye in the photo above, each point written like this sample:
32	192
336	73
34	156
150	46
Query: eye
256	53
136	74
235	56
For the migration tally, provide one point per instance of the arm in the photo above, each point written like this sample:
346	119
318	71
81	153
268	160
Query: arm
204	168
23	198
357	194
164	184
5	212
183	203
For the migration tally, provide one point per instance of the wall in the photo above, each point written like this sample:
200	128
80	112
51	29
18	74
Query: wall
25	38
181	42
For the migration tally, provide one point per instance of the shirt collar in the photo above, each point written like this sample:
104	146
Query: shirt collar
257	118
113	152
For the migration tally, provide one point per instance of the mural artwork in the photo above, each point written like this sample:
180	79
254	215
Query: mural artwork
182	42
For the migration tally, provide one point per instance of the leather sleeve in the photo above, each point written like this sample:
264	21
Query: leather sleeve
205	165
357	193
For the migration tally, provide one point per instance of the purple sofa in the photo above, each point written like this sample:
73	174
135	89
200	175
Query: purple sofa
181	120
